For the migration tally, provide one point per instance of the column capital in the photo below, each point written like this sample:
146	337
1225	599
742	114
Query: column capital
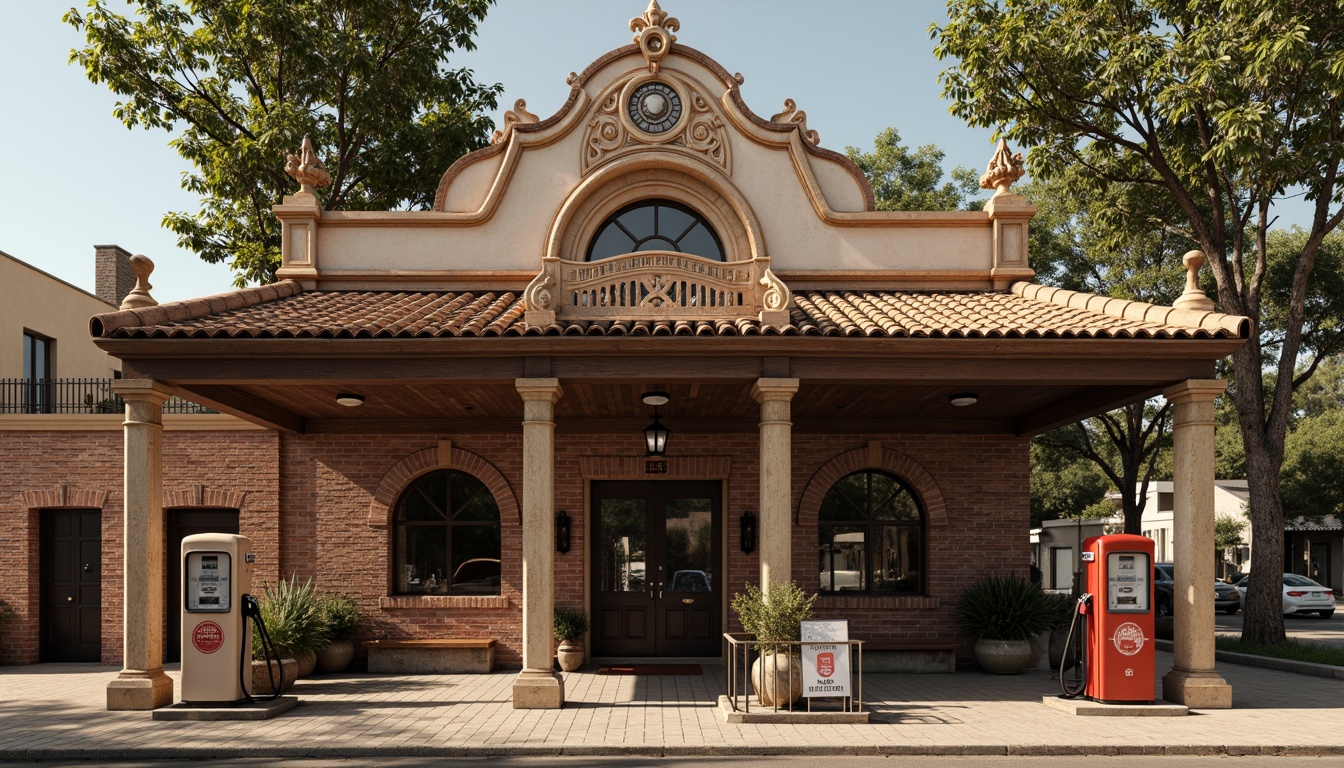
774	389
1195	391
149	390
539	389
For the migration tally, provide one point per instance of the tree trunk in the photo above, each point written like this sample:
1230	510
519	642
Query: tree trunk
1263	624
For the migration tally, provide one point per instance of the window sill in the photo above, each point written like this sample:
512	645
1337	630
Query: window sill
395	602
870	601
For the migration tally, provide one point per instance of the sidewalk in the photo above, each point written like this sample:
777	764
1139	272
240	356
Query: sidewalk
56	711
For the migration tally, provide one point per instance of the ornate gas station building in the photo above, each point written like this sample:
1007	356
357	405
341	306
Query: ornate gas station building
459	397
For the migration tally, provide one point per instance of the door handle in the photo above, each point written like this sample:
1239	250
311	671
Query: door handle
660	590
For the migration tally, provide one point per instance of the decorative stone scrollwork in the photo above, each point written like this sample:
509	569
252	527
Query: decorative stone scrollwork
516	116
777	295
792	114
700	130
1004	168
705	133
307	169
539	297
653	32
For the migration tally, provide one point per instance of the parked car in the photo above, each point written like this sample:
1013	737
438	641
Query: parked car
1301	595
1225	597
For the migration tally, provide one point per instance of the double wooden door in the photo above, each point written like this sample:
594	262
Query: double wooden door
657	585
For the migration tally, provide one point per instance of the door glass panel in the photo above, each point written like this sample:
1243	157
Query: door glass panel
622	546
688	540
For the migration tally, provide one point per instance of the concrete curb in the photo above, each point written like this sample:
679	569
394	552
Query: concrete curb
878	750
1269	662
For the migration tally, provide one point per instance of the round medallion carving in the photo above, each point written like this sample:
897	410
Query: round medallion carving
654	107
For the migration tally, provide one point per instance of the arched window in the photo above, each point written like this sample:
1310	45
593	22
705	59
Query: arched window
872	536
446	538
655	225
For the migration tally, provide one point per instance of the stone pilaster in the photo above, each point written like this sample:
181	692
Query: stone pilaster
1193	681
774	539
537	686
142	683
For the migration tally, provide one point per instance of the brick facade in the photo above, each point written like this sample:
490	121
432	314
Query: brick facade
317	506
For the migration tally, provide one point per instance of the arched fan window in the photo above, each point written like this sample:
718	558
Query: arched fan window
447	537
655	225
871	531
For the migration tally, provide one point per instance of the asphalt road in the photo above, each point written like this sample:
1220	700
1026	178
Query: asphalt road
1311	628
1143	761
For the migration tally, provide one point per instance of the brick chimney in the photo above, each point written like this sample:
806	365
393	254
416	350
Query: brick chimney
113	275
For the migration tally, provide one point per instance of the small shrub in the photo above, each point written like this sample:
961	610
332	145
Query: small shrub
1063	606
1005	608
570	625
774	617
293	618
339	614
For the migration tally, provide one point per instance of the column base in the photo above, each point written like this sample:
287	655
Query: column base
139	690
537	689
1197	690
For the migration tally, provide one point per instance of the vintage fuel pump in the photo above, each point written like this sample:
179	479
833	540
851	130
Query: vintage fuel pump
1117	622
216	580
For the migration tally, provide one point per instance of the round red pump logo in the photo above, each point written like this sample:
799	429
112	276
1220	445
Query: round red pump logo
208	637
1128	638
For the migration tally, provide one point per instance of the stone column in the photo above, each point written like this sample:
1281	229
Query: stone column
774	537
537	686
1193	681
142	683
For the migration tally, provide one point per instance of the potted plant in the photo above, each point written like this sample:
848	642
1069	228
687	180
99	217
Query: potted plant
341	616
1003	613
1065	606
570	627
775	618
293	623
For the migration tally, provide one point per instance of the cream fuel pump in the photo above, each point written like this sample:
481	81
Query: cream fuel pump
216	605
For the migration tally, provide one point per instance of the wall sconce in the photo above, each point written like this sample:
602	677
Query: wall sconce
655	435
561	532
747	537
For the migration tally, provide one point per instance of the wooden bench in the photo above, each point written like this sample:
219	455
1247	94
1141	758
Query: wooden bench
432	657
916	656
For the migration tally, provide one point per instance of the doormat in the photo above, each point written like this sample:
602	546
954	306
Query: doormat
652	669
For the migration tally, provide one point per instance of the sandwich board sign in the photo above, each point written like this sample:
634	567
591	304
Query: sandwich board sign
826	661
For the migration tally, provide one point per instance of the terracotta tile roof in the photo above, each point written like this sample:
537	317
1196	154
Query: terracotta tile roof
284	310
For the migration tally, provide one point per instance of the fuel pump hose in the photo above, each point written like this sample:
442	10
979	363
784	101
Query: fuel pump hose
252	610
1076	689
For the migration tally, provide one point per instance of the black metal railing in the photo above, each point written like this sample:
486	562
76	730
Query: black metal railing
780	678
74	396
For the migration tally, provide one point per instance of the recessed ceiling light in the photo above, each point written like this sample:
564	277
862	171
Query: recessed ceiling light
350	400
964	399
656	398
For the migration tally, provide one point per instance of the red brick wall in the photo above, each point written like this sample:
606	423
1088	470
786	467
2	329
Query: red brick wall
308	499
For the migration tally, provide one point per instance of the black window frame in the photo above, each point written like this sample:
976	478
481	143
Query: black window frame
638	239
450	586
872	528
37	389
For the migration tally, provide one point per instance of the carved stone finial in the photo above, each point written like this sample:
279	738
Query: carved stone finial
516	116
653	31
307	169
792	114
1004	168
139	297
1193	298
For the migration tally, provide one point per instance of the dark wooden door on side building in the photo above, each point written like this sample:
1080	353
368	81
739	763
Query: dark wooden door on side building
657	587
70	625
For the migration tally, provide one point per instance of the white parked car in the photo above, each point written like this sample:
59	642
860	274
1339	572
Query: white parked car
1301	595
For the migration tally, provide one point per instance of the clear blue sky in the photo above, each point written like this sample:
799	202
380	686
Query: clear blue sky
71	176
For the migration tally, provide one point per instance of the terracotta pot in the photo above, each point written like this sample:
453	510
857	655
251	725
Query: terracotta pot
261	680
570	655
777	679
1002	657
307	662
335	657
1040	644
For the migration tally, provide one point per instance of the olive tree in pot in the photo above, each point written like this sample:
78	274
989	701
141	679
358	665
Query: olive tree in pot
570	627
775	617
1003	613
341	616
295	627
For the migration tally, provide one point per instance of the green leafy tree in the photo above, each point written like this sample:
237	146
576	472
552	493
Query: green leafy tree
240	82
1312	483
906	180
1224	108
1063	485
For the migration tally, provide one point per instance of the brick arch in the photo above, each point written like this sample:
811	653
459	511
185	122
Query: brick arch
65	495
420	462
199	495
904	467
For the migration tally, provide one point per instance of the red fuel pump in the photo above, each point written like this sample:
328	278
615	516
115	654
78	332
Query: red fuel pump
1117	617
